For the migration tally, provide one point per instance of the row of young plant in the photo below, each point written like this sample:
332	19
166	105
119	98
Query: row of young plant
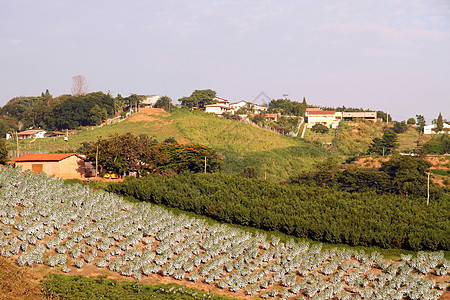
44	221
319	213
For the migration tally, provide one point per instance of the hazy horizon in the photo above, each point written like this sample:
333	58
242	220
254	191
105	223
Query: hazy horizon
382	55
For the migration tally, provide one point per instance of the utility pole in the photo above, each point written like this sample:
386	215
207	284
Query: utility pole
205	164
96	164
428	189
67	139
17	141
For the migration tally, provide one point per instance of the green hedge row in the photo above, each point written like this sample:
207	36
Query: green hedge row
318	213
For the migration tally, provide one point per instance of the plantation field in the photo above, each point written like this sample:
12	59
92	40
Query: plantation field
71	228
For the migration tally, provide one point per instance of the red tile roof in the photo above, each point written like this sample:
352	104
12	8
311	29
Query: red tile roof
321	112
271	115
28	132
44	157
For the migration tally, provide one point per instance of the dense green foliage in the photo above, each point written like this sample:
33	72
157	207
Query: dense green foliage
400	127
164	102
198	99
127	152
318	213
64	112
59	286
320	128
3	152
401	175
439	144
288	107
420	123
439	123
384	145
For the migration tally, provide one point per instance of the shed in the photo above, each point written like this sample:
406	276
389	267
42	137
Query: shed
61	165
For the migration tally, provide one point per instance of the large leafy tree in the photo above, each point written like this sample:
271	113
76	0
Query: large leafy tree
387	142
408	174
189	158
288	107
164	102
125	152
420	123
320	128
438	144
198	99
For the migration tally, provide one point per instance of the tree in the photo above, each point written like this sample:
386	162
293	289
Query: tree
439	123
387	142
382	115
411	121
198	99
320	128
400	127
420	123
288	107
3	152
98	115
438	144
164	102
79	85
125	152
408	174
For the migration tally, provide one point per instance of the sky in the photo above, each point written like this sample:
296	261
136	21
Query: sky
390	55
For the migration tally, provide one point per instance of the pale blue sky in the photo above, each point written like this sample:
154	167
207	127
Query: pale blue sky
381	54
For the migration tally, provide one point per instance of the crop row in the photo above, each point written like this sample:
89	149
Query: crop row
44	221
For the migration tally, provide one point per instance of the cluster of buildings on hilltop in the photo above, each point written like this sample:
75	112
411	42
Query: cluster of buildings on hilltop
313	116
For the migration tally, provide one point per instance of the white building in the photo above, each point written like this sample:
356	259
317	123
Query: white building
217	109
150	100
32	134
255	108
329	118
431	129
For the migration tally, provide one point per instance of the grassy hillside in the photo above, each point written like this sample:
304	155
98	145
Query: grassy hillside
354	138
239	144
244	145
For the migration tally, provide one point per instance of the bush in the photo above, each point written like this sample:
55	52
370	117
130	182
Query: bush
320	128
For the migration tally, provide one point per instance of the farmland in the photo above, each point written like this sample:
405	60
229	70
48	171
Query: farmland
70	228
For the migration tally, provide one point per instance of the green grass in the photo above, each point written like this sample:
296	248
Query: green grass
239	144
440	172
273	155
59	286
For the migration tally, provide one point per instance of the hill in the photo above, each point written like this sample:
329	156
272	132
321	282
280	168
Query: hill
239	144
353	138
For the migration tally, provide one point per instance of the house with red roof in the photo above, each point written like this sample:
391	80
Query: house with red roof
31	134
60	165
329	118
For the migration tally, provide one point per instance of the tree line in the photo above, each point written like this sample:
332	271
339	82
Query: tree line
142	154
320	213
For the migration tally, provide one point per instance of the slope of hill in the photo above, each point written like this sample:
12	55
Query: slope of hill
239	144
